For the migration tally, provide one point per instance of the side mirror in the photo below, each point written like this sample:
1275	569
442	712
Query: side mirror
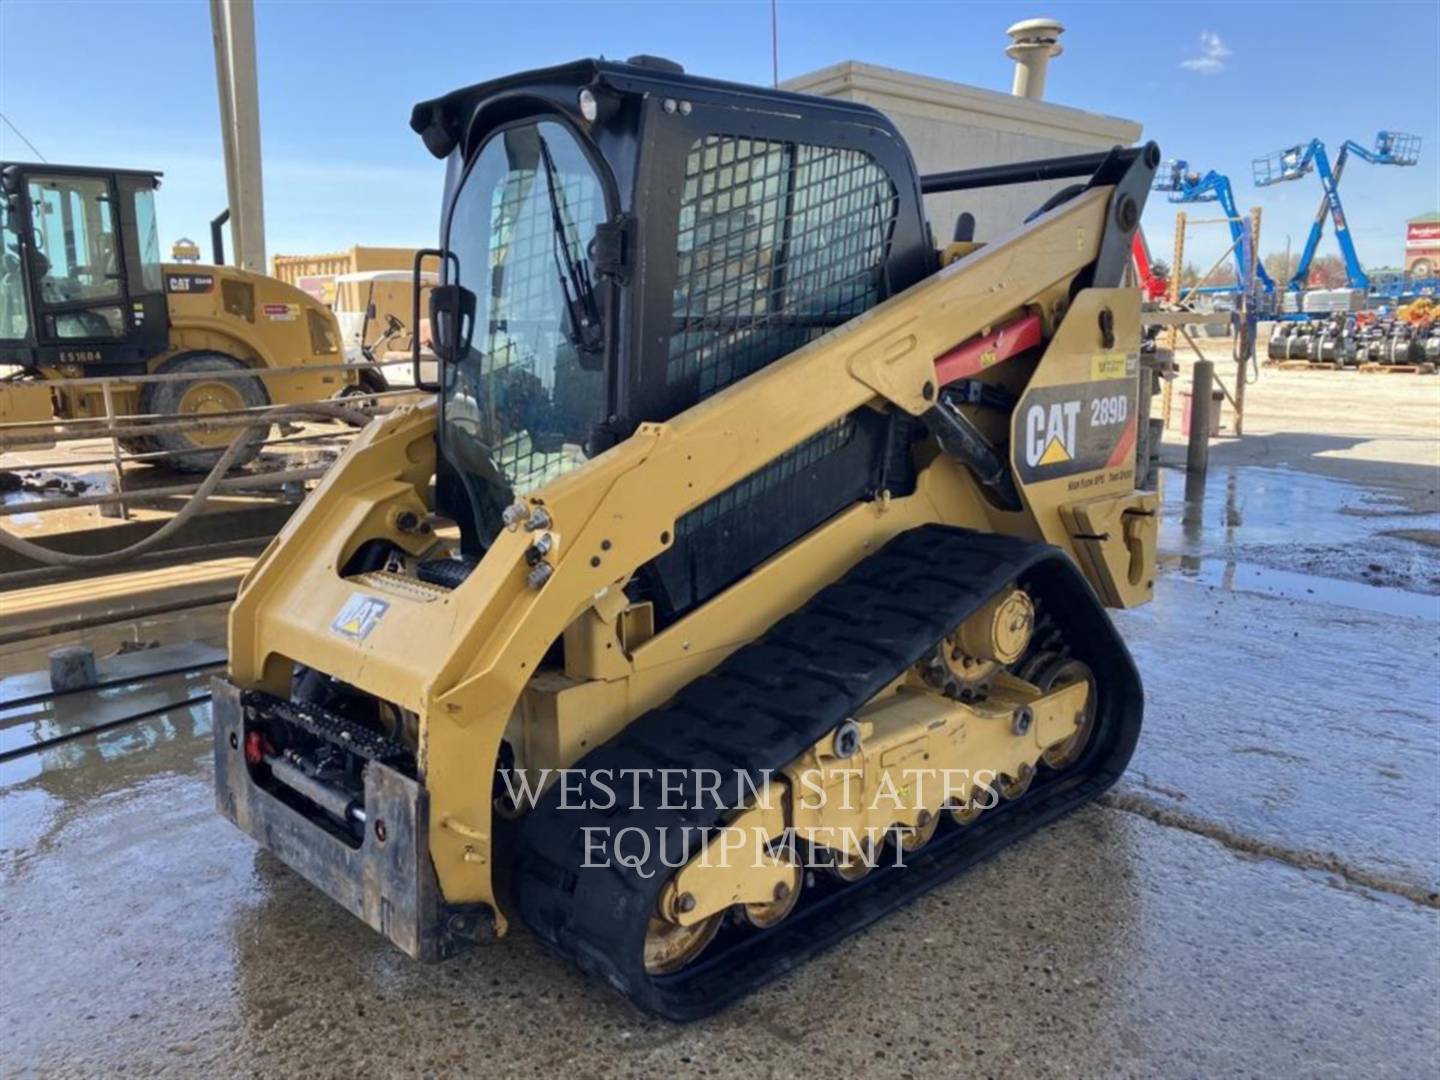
417	286
452	321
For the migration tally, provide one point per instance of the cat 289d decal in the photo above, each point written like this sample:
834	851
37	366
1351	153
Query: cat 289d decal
1076	428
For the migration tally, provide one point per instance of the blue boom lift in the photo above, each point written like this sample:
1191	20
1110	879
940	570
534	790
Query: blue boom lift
1184	186
1391	148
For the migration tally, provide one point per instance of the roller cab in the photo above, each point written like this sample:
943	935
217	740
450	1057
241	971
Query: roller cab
83	294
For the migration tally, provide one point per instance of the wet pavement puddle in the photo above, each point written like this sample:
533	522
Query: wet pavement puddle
1248	577
1299	536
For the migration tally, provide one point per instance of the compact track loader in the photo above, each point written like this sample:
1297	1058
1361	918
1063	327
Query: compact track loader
83	294
747	577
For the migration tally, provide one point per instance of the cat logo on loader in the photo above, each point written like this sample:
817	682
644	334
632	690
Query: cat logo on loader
1050	433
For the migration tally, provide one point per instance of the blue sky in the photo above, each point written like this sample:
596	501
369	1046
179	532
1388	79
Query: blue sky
128	83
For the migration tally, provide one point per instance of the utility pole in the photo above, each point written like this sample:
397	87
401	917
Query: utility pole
232	25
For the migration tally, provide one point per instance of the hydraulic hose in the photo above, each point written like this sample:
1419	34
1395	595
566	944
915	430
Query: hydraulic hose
50	557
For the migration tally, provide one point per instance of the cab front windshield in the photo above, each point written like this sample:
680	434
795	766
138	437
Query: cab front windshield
520	402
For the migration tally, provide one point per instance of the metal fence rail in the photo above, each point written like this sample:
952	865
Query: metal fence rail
196	495
295	432
116	426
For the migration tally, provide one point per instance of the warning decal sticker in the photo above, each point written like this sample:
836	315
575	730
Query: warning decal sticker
1063	430
1114	365
359	616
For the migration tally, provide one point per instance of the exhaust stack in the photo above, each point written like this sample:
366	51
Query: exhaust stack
1035	41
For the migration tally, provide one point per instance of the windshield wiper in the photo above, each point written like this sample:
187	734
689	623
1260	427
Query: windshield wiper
585	331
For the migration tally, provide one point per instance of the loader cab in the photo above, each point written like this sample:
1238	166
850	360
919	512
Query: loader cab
80	279
620	241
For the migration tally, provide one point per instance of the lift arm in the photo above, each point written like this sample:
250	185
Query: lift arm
1330	182
1152	287
1240	234
1391	148
1301	275
1188	187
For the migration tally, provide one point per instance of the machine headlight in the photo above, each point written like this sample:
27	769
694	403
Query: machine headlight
589	109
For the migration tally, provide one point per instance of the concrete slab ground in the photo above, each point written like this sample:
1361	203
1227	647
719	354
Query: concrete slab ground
1258	897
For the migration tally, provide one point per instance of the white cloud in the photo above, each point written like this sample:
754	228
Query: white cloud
1213	52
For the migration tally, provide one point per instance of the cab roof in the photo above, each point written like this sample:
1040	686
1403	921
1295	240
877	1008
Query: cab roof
77	170
442	122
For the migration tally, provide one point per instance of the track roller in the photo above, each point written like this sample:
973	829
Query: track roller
844	684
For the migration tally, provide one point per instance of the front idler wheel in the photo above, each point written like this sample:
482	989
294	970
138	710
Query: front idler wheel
670	946
1065	673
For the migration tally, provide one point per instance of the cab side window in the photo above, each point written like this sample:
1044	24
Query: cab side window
76	251
14	319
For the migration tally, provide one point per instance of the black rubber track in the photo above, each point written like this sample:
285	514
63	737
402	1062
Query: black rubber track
761	708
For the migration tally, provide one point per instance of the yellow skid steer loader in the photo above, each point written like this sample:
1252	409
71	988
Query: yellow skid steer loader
748	576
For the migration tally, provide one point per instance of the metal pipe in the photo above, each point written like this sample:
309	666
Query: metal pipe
217	236
232	25
1025	172
45	433
196	502
1197	453
219	421
282	442
48	575
333	801
205	422
220	37
249	200
172	491
117	461
1245	347
246	373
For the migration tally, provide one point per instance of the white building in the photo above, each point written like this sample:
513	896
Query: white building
950	125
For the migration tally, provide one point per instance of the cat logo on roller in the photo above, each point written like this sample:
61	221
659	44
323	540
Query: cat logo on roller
1050	433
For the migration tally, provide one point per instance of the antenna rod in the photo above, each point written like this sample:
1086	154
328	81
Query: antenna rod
774	44
11	125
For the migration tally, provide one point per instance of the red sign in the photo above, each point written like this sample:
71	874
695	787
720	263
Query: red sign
1422	234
